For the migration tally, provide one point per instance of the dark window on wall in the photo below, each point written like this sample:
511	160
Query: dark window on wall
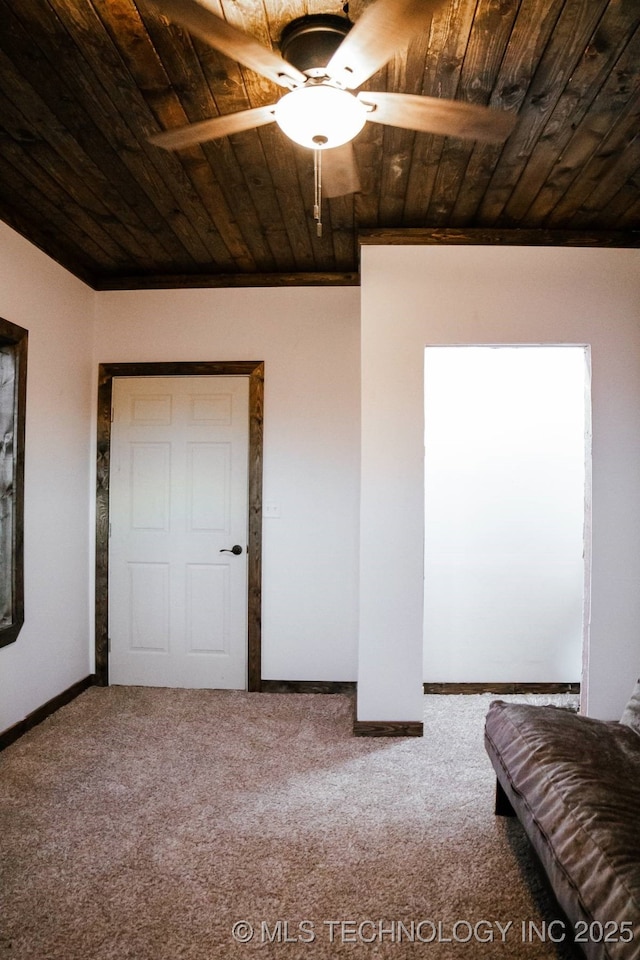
13	382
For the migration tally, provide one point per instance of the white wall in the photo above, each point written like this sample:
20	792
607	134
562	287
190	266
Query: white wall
52	651
415	296
504	514
309	341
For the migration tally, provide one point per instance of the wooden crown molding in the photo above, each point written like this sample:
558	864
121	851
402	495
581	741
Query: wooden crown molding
479	236
171	281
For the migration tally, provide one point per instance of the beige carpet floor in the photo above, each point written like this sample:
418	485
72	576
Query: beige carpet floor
168	824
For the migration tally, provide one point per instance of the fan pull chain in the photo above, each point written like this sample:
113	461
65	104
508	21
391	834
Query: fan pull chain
317	202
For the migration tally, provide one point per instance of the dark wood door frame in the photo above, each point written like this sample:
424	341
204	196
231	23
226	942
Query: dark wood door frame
254	370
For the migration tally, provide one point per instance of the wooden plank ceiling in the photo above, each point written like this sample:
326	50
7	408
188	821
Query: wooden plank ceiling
83	84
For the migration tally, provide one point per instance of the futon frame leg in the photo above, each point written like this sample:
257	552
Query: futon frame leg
503	804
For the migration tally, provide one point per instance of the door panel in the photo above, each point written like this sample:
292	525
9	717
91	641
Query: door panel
208	598
148	600
150	486
209	487
178	497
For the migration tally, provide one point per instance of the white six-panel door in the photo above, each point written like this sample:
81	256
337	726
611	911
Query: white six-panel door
178	499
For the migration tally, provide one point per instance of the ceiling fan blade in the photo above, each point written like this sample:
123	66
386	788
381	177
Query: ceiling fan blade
204	23
339	171
383	28
449	118
193	133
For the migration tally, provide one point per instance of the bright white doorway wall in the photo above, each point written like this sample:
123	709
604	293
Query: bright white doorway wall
505	449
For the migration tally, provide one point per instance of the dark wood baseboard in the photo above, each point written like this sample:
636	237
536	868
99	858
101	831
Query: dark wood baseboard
308	686
545	688
388	728
7	737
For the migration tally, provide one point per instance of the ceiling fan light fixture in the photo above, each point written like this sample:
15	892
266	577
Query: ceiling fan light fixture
320	116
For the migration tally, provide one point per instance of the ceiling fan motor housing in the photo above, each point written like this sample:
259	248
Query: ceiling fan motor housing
309	42
320	114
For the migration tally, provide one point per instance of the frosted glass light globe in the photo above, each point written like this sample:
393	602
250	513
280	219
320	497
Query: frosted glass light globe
320	116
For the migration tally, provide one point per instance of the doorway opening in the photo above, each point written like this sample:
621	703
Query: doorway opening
507	514
254	371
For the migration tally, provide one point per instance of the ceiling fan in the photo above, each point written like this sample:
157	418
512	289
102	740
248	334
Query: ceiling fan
323	58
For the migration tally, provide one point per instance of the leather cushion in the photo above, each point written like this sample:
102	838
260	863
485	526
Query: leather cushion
574	783
631	715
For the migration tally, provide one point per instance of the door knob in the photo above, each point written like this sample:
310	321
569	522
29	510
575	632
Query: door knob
237	550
